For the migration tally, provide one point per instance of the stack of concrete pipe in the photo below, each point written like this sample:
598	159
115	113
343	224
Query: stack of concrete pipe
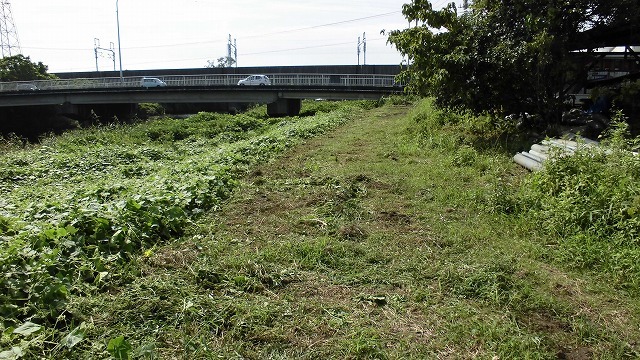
539	153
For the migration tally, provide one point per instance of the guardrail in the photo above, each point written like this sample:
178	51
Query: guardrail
202	80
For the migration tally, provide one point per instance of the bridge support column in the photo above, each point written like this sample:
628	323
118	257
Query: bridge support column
284	107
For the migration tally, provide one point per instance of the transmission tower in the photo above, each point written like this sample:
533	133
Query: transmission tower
8	34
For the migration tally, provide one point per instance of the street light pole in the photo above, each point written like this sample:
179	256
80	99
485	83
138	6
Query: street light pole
119	49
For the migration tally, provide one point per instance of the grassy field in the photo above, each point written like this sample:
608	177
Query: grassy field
355	233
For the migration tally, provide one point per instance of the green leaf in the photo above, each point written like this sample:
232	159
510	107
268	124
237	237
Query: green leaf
27	329
146	350
50	233
14	353
133	205
75	336
71	230
61	232
102	275
119	348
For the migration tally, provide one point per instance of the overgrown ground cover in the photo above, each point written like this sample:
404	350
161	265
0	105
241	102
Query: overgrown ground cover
77	211
404	233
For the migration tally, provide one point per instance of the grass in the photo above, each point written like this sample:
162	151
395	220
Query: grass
382	239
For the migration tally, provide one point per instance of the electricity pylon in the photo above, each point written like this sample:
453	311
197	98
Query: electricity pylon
8	34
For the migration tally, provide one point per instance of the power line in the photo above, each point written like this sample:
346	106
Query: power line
174	45
259	53
129	48
256	53
56	49
306	47
251	36
324	25
294	49
253	53
219	41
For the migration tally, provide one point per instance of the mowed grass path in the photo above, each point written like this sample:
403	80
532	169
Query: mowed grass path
363	244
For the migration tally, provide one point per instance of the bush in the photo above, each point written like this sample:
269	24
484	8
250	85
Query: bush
405	99
11	142
147	110
448	130
624	97
591	202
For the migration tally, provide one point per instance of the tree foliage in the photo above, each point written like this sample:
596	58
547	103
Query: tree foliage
21	68
222	62
501	56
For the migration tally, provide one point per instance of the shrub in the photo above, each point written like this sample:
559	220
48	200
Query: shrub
11	142
591	202
405	99
624	97
448	129
147	110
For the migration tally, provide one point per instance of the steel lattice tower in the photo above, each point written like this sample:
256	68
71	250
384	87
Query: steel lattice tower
8	34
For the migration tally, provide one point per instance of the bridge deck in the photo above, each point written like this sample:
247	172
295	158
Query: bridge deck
196	89
199	94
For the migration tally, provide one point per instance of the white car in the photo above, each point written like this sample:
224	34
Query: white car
149	82
255	80
27	87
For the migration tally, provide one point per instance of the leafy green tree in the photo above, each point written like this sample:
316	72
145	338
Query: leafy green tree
21	68
223	62
504	56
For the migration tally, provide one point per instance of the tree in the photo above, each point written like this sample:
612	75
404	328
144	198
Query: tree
503	56
21	68
223	62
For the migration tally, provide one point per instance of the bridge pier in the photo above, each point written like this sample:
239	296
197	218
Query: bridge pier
284	107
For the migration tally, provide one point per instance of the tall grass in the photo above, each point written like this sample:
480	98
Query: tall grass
588	204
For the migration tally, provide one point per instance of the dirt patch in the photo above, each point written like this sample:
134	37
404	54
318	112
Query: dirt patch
352	232
581	353
173	258
394	217
546	323
412	324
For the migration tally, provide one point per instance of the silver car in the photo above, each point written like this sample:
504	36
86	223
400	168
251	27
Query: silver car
26	87
148	82
255	80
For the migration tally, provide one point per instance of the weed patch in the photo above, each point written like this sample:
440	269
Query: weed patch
399	234
121	191
588	202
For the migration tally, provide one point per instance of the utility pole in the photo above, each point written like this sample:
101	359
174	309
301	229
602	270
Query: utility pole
358	50
364	48
232	53
8	33
119	49
362	44
111	54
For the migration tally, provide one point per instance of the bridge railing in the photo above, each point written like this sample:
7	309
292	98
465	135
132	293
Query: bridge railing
202	80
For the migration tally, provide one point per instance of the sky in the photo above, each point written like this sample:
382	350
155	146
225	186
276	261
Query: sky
170	34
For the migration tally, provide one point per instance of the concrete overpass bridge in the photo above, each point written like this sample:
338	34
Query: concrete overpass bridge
283	96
